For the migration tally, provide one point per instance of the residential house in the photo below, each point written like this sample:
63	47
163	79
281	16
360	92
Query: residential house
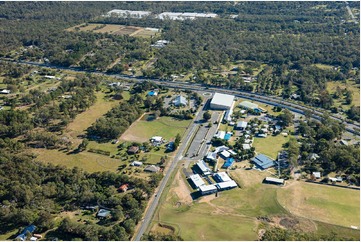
136	163
133	150
124	187
103	213
152	168
241	125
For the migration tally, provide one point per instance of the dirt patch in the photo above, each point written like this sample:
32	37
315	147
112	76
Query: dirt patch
181	190
292	222
207	199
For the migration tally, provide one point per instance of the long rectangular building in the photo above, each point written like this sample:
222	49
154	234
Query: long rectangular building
203	167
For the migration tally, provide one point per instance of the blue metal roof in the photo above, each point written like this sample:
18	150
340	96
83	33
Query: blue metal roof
228	162
263	161
29	229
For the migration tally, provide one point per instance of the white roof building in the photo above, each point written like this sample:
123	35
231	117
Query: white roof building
197	180
274	180
5	91
222	101
226	185
220	134
157	139
180	100
207	189
222	177
203	167
136	163
246	146
242	125
317	174
225	154
128	13
212	156
221	148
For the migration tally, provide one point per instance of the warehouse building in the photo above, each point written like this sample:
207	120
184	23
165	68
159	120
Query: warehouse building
263	162
222	101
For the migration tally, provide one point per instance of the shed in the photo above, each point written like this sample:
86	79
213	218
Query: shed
133	149
263	161
136	163
273	180
152	168
152	93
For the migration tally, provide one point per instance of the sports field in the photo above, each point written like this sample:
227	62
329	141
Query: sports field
143	130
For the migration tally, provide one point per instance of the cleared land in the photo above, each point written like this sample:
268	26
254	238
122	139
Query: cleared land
115	29
90	162
327	204
167	127
86	119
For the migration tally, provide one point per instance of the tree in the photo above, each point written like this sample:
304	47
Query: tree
207	116
286	117
177	141
83	145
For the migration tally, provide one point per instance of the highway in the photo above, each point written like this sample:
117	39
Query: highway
317	113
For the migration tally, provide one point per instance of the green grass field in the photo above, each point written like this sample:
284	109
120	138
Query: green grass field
327	204
90	162
166	127
271	145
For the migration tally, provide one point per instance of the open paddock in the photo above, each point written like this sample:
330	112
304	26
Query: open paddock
115	29
332	205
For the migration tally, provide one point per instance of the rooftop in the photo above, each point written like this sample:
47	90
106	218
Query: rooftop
222	99
263	161
197	180
248	105
222	177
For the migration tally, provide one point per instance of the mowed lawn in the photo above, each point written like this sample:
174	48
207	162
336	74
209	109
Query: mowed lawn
90	162
333	205
167	127
271	145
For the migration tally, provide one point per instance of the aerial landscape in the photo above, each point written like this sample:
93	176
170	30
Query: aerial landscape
180	120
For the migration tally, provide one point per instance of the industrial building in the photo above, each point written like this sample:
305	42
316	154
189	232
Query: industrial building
183	16
222	101
263	162
128	13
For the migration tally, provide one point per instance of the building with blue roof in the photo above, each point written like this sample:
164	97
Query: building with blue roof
29	229
152	93
228	162
263	162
